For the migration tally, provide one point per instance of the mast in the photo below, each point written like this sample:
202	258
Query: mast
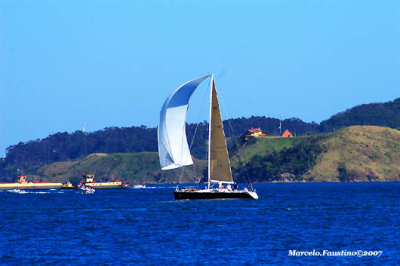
209	133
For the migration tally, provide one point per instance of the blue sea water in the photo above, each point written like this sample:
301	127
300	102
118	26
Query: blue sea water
147	226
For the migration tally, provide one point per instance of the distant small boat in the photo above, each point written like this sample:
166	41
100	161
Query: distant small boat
69	185
174	150
23	183
87	190
16	190
139	186
90	182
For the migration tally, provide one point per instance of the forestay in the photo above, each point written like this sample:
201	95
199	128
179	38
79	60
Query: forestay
173	147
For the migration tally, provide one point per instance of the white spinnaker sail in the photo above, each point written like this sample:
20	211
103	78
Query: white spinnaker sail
173	147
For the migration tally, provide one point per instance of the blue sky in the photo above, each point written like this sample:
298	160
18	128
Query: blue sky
113	62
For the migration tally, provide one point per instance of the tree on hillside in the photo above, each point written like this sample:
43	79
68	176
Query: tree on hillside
373	114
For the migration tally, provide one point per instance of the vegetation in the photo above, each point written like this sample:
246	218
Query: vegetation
269	159
133	168
377	114
357	153
312	156
32	155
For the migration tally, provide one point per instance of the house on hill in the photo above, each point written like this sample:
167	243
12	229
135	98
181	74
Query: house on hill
254	132
287	134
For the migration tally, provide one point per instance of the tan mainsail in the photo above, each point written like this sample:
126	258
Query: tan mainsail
219	166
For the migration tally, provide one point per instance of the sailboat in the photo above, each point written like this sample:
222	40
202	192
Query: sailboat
174	150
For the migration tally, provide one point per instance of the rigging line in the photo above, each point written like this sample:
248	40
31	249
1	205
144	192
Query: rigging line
183	168
191	144
198	118
197	125
190	147
180	177
247	181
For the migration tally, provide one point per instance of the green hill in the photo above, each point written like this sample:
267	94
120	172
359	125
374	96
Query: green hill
30	156
357	153
263	146
66	147
385	114
133	168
